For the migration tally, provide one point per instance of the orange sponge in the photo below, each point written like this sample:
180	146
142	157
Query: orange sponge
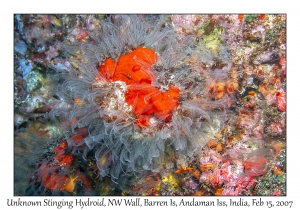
135	70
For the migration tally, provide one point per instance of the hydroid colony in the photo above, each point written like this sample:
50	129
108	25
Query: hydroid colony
136	106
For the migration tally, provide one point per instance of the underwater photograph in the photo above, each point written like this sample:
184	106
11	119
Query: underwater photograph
149	104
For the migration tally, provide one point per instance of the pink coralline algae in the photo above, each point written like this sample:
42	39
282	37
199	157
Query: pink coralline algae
187	23
281	100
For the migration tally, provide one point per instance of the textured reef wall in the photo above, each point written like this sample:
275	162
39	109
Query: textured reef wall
150	104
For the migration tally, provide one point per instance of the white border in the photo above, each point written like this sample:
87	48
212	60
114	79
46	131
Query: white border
153	6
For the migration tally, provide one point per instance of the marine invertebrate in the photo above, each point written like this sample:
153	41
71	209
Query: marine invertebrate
144	98
54	174
137	97
134	104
